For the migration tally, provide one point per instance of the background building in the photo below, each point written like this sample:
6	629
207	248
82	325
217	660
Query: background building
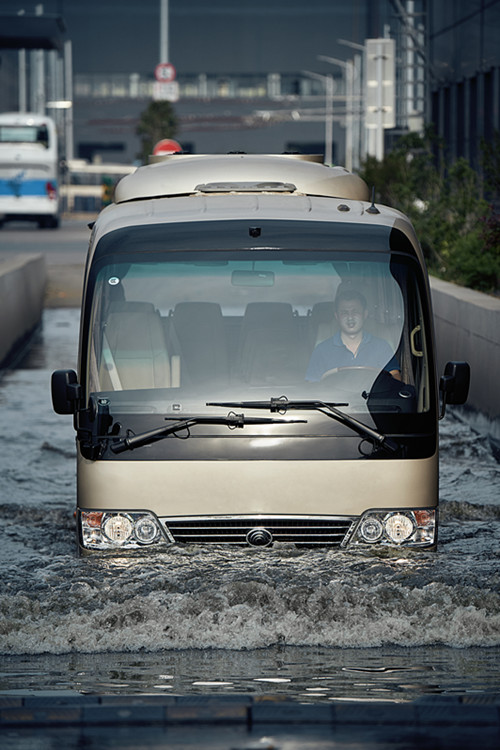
261	75
240	68
464	78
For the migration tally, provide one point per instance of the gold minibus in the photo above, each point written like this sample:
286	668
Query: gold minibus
256	364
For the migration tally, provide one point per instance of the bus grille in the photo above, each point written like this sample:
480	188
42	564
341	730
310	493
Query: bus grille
309	531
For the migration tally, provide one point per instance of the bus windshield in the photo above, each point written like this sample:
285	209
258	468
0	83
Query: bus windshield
170	332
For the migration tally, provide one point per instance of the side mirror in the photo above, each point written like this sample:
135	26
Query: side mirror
454	384
66	391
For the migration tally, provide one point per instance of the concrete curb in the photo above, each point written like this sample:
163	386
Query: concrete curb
22	288
43	710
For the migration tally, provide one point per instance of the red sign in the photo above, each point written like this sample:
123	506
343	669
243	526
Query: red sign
167	146
165	72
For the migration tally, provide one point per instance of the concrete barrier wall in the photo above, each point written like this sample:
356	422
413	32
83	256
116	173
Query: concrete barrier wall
22	289
468	328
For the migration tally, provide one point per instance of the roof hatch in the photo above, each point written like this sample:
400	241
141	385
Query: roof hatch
246	187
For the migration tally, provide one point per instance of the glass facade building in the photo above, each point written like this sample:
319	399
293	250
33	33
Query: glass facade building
464	74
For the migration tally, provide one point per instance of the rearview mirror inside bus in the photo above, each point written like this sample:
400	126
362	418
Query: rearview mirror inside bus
252	278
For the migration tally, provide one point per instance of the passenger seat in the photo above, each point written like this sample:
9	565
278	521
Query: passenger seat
270	344
197	329
134	353
322	323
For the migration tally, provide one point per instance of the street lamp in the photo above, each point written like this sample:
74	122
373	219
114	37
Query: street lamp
329	91
358	127
164	32
348	67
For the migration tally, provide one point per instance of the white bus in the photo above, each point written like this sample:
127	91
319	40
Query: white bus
29	169
256	363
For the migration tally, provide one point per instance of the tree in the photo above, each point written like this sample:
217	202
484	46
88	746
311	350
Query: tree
407	178
157	121
490	163
458	230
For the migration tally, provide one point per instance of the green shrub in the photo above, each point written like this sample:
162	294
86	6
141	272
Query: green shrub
470	265
156	122
459	232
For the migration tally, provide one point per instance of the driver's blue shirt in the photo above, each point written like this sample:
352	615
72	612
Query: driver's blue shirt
332	353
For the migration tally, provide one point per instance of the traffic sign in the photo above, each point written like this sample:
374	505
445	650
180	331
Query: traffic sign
165	73
166	91
167	146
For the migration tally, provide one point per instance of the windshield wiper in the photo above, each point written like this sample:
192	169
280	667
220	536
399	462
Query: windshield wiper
329	409
232	421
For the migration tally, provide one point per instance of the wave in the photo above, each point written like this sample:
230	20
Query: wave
237	599
107	615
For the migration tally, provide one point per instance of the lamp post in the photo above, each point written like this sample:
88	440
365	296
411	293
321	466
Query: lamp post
68	89
329	91
358	127
164	50
348	67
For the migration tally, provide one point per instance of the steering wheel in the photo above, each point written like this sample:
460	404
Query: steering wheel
352	378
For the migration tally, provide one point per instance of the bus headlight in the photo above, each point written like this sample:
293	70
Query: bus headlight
371	529
398	528
117	528
114	530
146	530
410	528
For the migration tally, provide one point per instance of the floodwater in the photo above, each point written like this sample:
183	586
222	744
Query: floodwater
310	625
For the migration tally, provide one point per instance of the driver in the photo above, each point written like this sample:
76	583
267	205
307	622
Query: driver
351	346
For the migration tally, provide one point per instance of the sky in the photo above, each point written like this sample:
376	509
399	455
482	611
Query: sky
212	36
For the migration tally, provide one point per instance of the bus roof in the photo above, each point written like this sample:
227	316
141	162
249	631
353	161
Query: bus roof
25	118
185	174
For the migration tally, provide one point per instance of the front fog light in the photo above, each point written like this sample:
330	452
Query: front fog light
118	528
398	527
371	529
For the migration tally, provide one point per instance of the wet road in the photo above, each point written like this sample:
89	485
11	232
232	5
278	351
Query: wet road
64	251
306	625
68	244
